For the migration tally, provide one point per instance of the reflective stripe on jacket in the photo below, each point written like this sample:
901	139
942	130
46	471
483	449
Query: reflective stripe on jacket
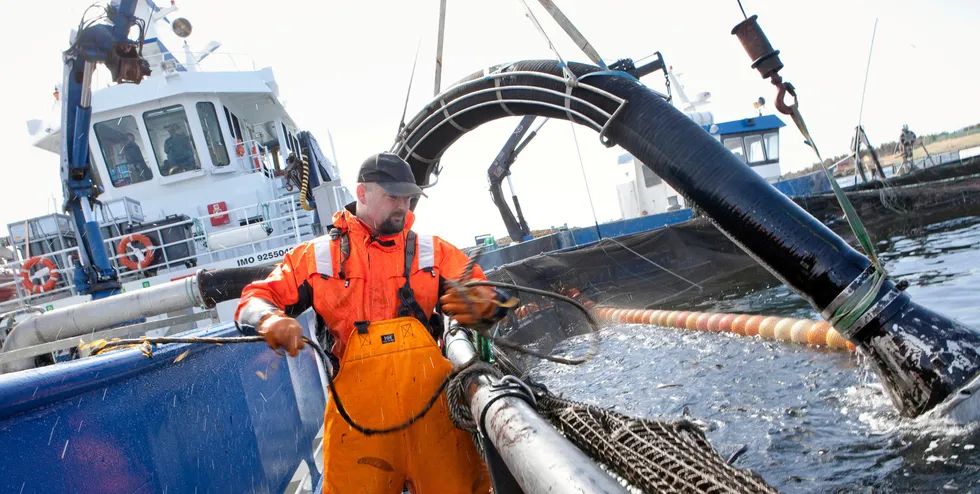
363	287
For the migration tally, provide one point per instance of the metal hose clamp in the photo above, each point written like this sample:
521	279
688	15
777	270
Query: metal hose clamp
505	387
847	292
859	287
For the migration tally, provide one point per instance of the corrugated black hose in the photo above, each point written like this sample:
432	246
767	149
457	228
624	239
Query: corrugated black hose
912	348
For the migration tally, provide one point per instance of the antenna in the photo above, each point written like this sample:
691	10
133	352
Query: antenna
867	72
408	92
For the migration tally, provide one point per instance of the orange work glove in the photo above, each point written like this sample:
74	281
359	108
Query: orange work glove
480	308
281	331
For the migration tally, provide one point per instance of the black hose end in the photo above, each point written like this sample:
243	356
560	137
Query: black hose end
222	285
922	357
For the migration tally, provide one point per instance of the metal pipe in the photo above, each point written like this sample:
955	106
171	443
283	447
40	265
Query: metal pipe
85	100
577	37
84	318
539	458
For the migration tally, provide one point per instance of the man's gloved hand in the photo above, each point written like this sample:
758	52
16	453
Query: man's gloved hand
281	331
480	308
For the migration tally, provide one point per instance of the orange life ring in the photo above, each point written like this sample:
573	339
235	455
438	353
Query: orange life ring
240	149
53	274
147	252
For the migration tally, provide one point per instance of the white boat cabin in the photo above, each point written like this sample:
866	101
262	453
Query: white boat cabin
192	162
754	140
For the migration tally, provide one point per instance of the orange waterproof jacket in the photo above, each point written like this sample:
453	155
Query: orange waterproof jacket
362	288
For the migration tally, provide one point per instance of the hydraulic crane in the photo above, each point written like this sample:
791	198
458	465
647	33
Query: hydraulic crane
104	40
500	169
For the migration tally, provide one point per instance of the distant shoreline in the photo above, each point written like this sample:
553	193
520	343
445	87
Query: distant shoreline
936	147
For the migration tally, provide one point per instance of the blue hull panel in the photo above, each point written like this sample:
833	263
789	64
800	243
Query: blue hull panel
234	418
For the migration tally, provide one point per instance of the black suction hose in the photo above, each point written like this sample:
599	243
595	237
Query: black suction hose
221	285
922	357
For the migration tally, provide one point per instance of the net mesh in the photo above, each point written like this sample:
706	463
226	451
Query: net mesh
681	267
693	266
653	455
650	455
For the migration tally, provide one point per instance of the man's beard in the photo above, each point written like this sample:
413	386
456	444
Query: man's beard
392	225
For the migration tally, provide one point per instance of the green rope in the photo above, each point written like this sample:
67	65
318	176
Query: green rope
854	307
484	347
267	223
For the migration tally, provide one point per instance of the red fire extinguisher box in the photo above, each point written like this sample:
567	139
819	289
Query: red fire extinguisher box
221	219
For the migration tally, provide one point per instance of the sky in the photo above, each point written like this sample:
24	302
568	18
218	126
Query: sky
344	67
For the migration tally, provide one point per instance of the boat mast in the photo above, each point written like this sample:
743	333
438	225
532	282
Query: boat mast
442	30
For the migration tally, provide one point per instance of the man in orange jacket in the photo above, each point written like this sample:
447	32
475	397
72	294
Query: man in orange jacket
377	286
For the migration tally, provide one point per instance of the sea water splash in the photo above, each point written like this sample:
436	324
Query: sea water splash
814	420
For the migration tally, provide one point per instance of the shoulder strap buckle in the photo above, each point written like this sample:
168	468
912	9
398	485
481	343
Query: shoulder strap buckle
362	326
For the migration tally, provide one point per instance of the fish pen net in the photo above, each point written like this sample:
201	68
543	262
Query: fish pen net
652	455
694	266
646	454
680	267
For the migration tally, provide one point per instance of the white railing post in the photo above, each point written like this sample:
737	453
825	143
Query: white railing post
207	245
292	208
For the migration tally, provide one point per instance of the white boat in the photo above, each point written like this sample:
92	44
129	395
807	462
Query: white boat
193	162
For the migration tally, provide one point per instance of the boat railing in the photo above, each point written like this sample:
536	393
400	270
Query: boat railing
262	226
254	157
205	61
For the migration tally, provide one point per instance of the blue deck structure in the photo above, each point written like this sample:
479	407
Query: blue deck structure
755	140
237	416
746	125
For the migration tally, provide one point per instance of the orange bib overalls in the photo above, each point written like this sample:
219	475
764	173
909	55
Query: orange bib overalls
387	374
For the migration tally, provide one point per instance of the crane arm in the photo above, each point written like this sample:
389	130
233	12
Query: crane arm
500	169
104	40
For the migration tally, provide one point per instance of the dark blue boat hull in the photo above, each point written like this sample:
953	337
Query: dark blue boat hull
231	418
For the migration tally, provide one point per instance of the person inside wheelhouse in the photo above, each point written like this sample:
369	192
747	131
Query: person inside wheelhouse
134	156
122	149
179	151
170	138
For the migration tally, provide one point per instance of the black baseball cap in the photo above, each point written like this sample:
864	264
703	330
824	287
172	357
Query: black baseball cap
392	173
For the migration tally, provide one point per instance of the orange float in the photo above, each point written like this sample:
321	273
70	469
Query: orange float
767	328
738	324
752	325
803	331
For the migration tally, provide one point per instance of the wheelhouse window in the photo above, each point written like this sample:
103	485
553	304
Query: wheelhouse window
96	175
772	145
734	144
234	124
753	146
212	134
287	137
123	150
171	139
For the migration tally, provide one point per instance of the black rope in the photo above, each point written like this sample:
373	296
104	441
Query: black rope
368	431
594	325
